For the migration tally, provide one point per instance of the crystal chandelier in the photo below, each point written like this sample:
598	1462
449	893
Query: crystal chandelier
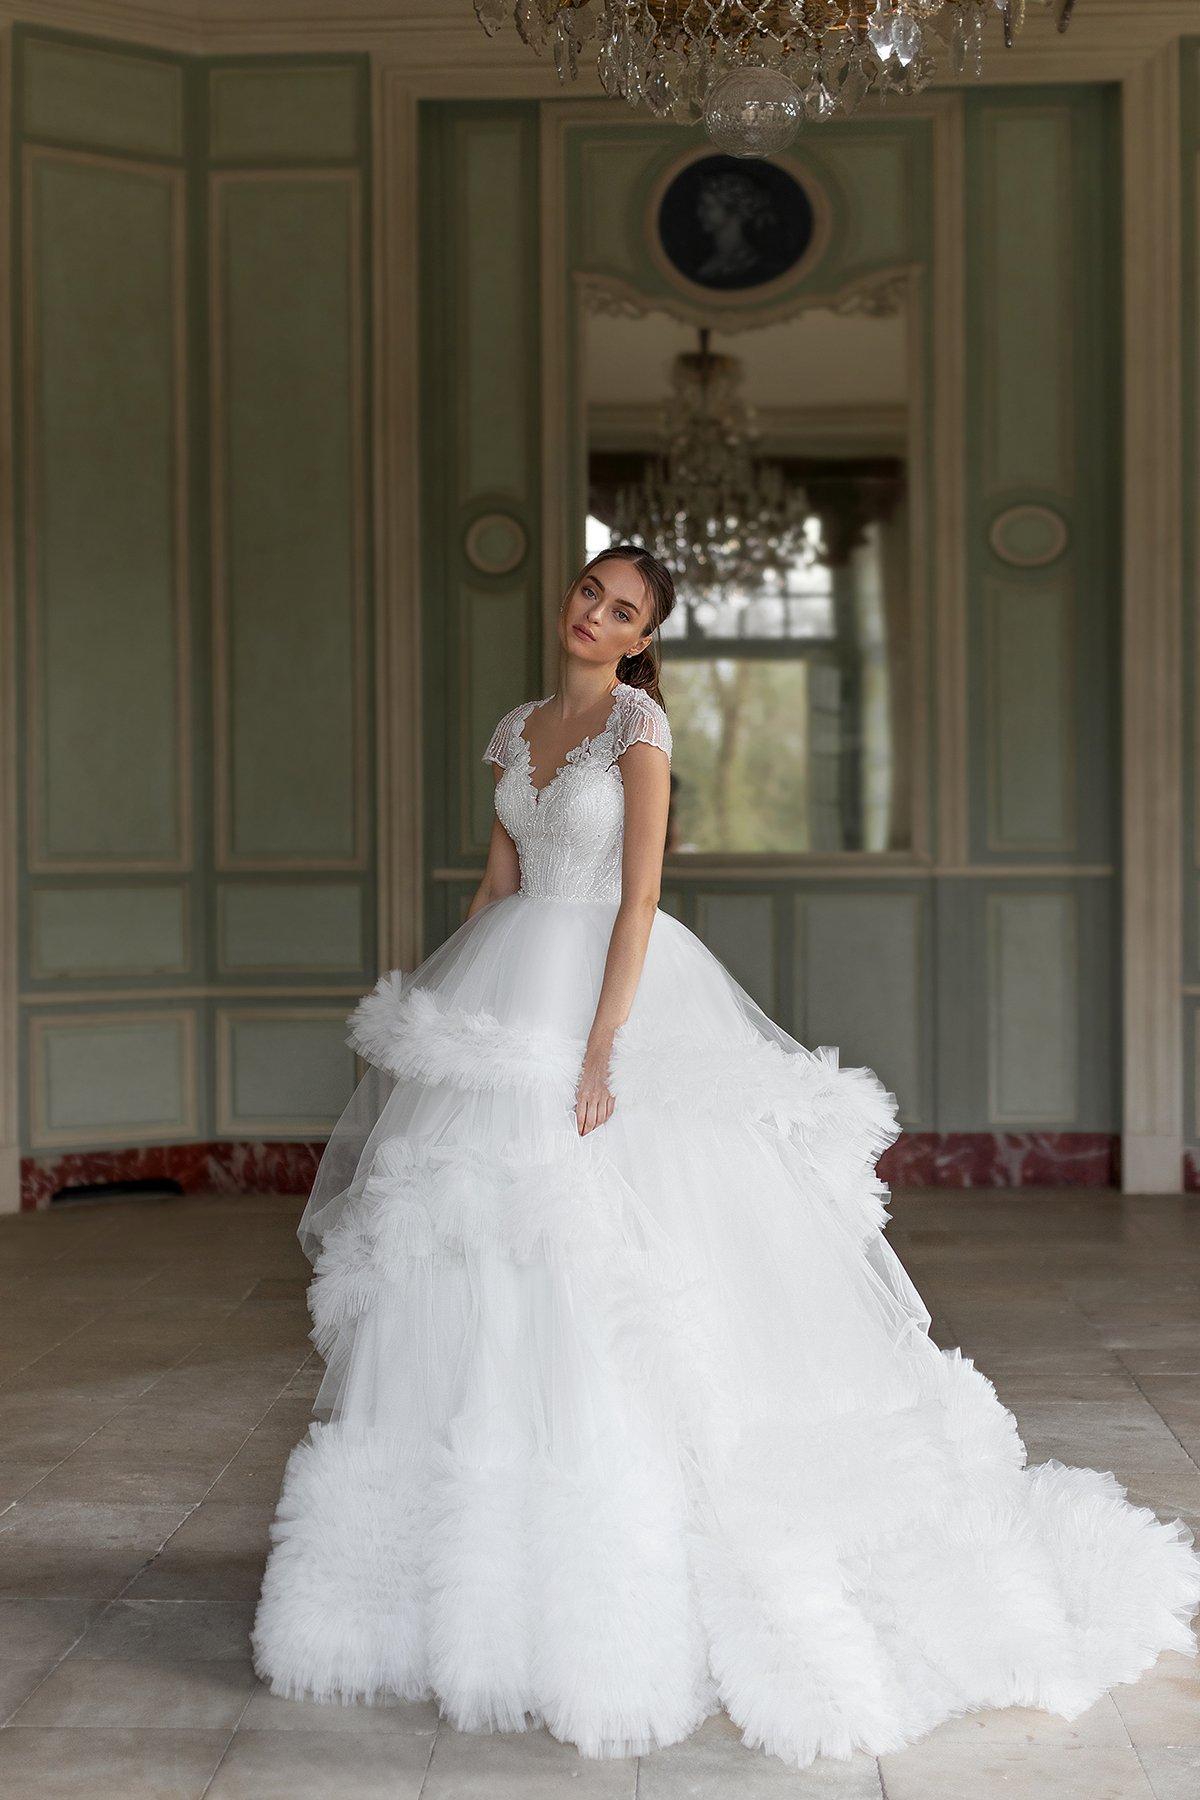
717	516
756	69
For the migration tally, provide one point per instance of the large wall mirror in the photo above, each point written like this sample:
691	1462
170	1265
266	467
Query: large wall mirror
772	464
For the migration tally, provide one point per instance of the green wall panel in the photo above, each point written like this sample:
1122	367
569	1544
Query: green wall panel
493	652
310	926
283	1072
1033	1010
1026	239
192	356
740	928
878	189
494	253
1031	727
110	1078
80	94
289	528
861	973
262	113
102	352
118	930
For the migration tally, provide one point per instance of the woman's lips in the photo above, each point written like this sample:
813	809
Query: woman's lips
589	635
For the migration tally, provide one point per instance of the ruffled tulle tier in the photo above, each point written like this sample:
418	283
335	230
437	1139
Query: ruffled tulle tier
621	1429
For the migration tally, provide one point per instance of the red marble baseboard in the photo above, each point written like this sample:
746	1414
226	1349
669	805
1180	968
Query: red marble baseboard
920	1159
971	1159
221	1168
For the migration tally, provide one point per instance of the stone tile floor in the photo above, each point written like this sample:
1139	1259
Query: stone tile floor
155	1371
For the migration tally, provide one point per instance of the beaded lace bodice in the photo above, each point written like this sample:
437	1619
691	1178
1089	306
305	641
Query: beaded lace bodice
569	833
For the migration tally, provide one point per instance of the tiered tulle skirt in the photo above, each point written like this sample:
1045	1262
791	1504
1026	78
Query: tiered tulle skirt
619	1430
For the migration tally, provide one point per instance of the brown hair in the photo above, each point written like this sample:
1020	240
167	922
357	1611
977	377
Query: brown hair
641	670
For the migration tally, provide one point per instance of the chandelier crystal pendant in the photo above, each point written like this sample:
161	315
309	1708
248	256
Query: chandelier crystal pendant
755	70
719	517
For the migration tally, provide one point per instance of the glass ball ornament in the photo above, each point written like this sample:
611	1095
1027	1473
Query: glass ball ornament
753	112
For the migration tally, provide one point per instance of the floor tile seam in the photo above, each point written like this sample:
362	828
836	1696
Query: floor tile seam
123	1408
228	1742
59	1342
1158	1413
54	1666
437	1732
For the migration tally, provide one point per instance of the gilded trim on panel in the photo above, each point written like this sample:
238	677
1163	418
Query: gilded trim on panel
225	859
40	861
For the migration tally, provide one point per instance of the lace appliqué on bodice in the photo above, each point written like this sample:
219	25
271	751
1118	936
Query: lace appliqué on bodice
569	833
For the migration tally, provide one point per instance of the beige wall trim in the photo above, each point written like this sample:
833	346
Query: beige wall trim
285	993
948	499
1153	605
397	586
10	1123
424	35
855	868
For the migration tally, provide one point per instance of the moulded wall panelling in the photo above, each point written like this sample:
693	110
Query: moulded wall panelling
611	173
104	557
1029	630
1033	1008
740	929
314	926
1026	239
280	1071
497	382
876	178
861	986
80	94
493	649
112	1077
288	519
262	113
126	930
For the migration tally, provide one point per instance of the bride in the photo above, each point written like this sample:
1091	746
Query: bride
630	1413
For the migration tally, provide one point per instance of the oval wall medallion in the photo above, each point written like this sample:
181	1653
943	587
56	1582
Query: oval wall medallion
736	229
1029	536
495	543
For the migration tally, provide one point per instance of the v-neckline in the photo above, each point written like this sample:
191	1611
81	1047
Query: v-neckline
572	754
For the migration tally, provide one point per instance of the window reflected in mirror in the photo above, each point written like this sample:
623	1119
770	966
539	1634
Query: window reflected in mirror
768	467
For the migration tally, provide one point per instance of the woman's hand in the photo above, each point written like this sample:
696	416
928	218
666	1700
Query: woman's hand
593	1097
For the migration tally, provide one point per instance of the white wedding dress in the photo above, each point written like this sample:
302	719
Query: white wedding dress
621	1429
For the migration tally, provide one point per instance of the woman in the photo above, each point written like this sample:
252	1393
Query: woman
630	1411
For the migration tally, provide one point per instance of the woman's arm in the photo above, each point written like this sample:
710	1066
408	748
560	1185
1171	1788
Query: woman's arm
646	774
502	874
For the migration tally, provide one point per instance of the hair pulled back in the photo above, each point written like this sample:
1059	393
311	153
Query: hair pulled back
642	670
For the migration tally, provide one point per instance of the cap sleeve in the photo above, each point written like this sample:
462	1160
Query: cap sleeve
500	744
643	721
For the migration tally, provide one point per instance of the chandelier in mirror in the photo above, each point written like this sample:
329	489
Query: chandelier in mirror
755	70
720	518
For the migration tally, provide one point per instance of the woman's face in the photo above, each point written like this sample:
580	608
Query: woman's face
606	615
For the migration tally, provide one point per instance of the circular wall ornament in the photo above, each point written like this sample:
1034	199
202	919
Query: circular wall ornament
1030	536
495	543
736	228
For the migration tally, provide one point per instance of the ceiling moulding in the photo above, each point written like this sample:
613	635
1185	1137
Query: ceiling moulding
442	45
